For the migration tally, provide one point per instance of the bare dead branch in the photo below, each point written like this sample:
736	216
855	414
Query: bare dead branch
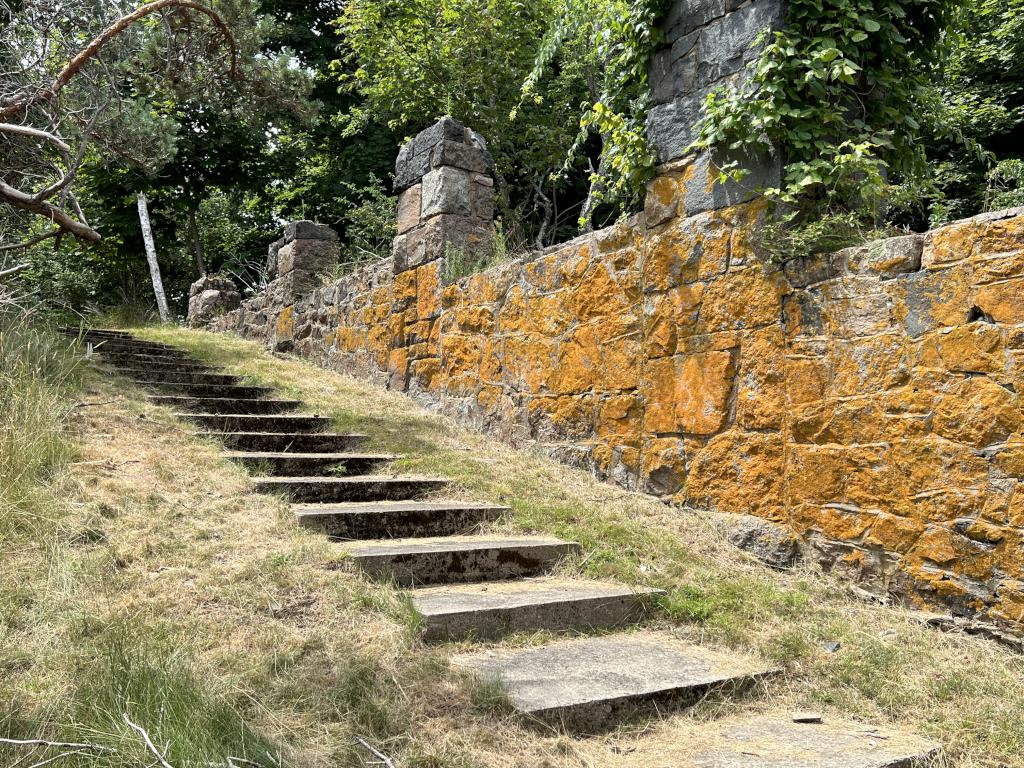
28	203
56	758
161	760
92	50
384	759
54	744
24	130
13	270
30	242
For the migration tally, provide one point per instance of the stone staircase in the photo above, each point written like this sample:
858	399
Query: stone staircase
468	584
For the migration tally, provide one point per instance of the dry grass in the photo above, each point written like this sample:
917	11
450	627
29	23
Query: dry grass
174	545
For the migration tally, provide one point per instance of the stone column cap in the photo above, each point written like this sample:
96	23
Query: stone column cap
308	230
445	143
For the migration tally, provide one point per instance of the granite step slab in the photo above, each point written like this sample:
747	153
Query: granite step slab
240	391
492	610
395	519
227	405
240	422
458	559
76	332
113	346
591	684
288	442
159	368
179	377
309	464
131	360
329	490
775	741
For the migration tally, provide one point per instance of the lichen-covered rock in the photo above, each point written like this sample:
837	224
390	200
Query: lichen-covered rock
211	297
773	544
868	402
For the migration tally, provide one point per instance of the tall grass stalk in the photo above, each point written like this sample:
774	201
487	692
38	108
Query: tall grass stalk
39	374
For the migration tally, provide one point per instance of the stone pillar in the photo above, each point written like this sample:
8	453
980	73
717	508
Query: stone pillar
211	297
445	218
307	254
446	197
709	43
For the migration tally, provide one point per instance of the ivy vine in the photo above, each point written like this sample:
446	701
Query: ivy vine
841	92
624	35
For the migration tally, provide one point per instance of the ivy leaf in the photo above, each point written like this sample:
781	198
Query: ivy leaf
871	25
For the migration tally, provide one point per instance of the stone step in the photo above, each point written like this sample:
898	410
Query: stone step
774	741
124	360
395	520
490	611
182	366
179	377
112	346
309	464
241	391
452	559
329	490
227	405
239	422
287	442
590	684
76	332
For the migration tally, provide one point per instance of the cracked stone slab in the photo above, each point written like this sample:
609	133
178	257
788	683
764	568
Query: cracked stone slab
773	741
402	519
589	684
453	559
493	610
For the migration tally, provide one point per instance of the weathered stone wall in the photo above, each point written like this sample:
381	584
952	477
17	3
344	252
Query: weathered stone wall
708	44
869	400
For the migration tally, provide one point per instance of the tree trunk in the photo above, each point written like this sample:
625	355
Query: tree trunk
595	193
197	243
154	267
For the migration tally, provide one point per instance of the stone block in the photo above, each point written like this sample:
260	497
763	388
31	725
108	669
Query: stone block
661	77
684	16
457	154
705	193
728	44
446	190
409	209
318	257
771	543
481	197
308	230
272	251
410	167
888	258
211	298
445	129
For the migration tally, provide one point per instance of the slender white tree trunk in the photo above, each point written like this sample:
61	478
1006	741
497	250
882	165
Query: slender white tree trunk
154	267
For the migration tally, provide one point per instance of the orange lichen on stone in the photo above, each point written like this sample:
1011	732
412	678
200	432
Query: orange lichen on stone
286	323
872	406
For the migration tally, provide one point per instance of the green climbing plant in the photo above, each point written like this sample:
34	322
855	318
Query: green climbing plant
623	36
843	93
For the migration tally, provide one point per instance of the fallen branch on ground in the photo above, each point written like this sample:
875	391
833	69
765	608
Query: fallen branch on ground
384	759
161	760
54	744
